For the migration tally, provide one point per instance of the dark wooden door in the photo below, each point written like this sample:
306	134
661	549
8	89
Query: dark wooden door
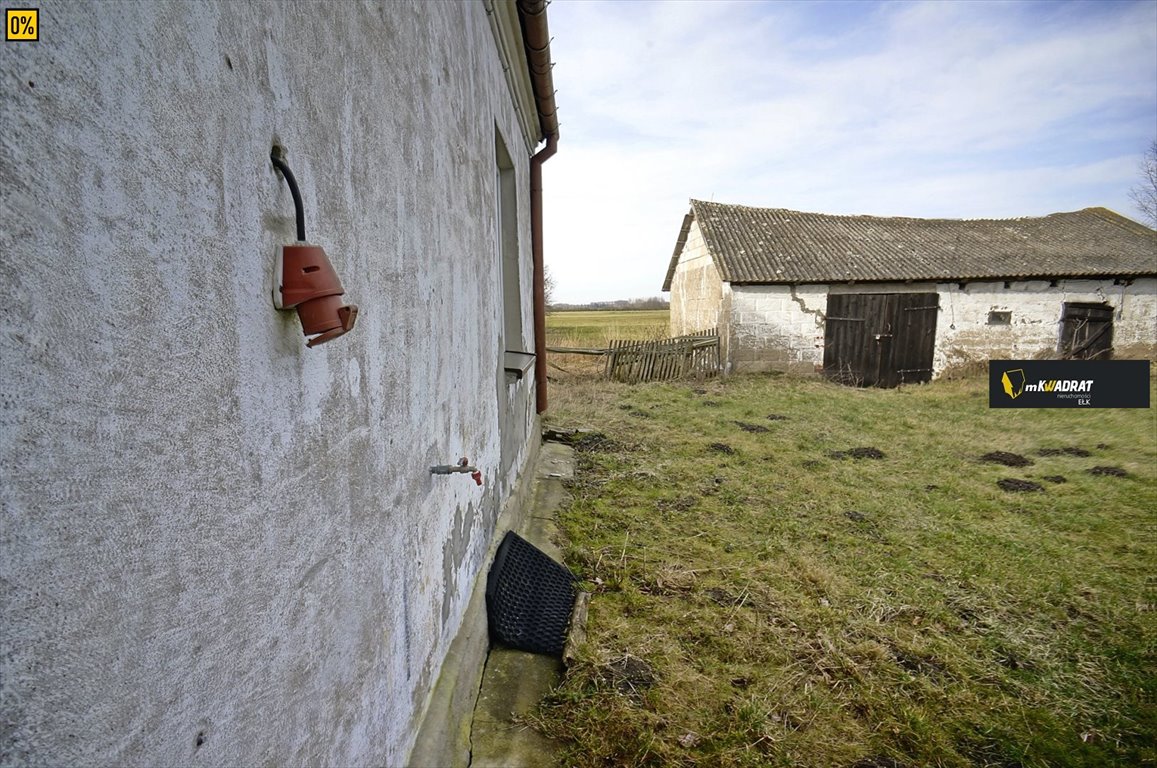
880	339
1086	331
850	355
914	323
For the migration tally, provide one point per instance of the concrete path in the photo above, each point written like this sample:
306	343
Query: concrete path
514	682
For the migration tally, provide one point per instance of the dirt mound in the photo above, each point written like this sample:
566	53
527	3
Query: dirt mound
678	504
858	453
630	675
776	417
723	448
1109	471
754	428
1006	458
1012	485
1056	478
592	442
721	597
1071	450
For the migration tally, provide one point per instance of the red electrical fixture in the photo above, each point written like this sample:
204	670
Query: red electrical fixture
303	278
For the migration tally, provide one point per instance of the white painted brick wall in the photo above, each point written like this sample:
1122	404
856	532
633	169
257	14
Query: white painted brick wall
771	330
963	334
775	326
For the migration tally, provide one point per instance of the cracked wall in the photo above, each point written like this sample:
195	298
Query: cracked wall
781	328
777	327
965	335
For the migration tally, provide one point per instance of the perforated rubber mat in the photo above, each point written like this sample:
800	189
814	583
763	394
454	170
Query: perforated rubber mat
529	597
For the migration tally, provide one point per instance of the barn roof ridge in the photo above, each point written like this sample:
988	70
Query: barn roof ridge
948	219
749	244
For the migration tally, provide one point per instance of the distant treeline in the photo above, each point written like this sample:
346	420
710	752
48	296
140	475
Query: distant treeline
654	302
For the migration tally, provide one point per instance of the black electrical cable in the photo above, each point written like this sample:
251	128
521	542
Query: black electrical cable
298	208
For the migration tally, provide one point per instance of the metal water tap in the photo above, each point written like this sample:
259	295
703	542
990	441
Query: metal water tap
463	466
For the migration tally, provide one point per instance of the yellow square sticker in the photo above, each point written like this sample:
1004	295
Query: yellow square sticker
22	24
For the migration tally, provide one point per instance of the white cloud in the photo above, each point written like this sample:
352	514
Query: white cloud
923	109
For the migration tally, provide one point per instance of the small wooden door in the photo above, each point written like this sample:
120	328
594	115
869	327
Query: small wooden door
880	339
1086	331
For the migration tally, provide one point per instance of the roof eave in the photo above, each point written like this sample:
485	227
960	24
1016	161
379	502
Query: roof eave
536	37
949	279
679	243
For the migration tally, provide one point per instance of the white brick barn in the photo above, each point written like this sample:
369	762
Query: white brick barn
880	301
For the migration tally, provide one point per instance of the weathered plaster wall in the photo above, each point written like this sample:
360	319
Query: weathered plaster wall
963	334
777	327
218	545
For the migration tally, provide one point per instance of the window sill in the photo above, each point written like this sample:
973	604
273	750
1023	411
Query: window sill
517	364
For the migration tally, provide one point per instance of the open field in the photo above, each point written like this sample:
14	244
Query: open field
790	572
596	328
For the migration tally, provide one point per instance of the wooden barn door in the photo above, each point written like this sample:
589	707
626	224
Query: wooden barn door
1086	331
880	339
850	352
914	321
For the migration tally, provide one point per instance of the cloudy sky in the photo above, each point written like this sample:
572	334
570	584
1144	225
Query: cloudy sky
933	109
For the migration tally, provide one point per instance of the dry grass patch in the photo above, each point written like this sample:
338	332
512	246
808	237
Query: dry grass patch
800	600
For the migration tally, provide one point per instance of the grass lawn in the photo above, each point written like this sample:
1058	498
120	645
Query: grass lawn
790	572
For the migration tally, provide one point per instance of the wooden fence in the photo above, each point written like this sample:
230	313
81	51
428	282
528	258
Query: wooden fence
696	354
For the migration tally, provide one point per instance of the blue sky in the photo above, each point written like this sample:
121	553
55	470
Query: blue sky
937	109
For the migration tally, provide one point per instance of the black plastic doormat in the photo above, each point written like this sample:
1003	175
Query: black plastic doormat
529	597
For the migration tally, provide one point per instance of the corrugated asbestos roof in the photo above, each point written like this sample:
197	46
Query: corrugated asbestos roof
773	245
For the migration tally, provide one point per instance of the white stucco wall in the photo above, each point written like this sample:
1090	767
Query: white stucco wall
777	327
216	544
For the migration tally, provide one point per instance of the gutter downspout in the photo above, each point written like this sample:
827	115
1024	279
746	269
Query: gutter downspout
539	269
536	38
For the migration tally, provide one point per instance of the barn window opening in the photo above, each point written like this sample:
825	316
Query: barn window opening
1000	318
1086	331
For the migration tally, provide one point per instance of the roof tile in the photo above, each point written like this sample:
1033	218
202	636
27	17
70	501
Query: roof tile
774	245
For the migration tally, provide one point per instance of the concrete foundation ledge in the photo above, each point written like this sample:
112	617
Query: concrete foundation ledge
473	715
